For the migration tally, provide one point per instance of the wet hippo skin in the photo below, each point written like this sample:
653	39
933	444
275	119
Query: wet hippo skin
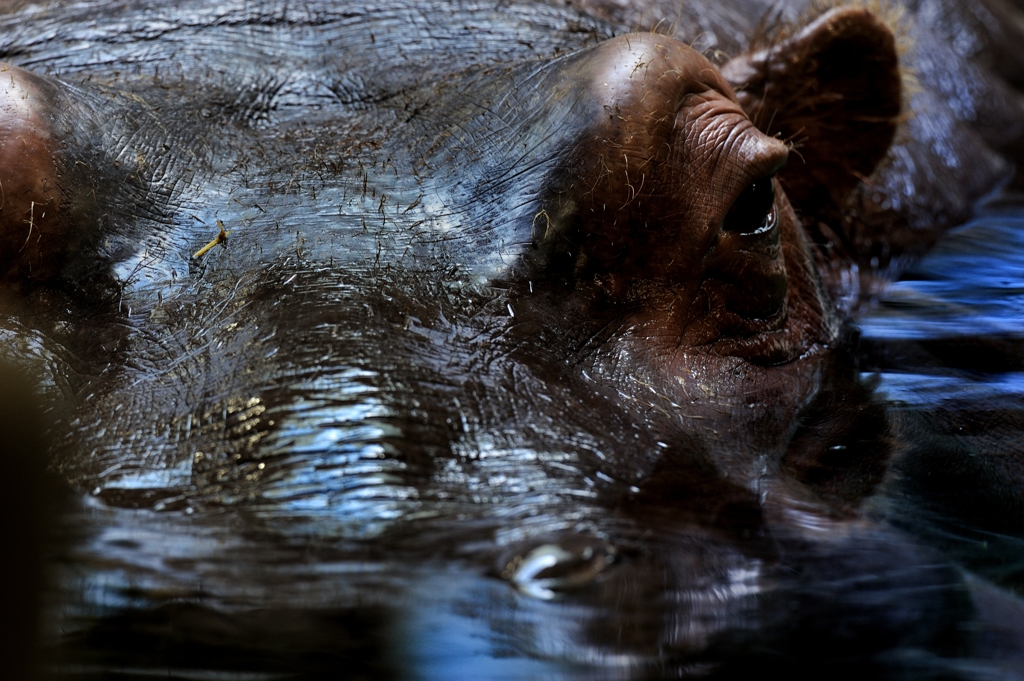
368	333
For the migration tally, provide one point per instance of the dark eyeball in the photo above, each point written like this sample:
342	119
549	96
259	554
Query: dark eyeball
754	210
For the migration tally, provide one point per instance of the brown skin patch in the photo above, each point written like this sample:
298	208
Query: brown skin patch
670	156
30	237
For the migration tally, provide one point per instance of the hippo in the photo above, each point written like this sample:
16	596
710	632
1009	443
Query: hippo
500	339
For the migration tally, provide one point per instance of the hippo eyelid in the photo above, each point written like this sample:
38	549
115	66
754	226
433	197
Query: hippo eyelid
753	211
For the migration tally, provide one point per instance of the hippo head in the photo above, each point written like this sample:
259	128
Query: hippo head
652	190
373	299
611	222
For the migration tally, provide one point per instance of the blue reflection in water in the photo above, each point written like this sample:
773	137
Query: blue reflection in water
924	390
444	642
971	284
947	342
970	287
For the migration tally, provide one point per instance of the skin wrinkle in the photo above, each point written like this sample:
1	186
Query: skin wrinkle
734	131
719	138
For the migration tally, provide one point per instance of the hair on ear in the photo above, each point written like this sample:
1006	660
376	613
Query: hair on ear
834	91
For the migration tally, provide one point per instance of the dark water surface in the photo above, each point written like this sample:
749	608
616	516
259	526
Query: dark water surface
946	346
345	569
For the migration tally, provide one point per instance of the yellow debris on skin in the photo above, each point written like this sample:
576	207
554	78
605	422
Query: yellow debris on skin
221	238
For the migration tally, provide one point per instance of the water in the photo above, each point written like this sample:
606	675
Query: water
945	345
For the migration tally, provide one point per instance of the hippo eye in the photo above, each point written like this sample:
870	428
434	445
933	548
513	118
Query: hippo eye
753	212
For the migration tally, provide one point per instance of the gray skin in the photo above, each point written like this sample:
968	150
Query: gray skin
427	340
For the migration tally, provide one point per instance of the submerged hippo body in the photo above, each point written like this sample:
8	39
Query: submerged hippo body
373	311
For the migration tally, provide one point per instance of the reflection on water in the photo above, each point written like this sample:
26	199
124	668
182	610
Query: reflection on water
348	564
954	327
946	346
970	285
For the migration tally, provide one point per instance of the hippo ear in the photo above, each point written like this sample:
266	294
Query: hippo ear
834	91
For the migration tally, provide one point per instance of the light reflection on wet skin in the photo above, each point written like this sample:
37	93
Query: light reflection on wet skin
344	564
